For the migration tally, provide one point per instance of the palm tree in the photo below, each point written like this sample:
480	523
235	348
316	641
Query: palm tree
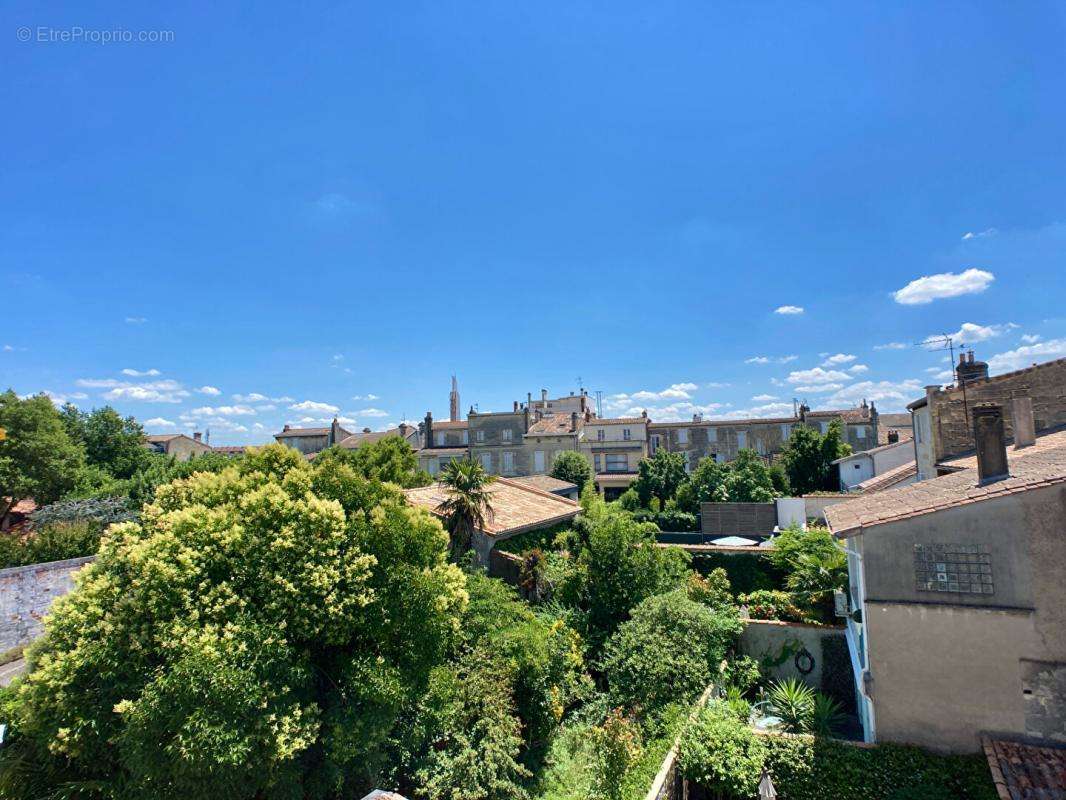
468	506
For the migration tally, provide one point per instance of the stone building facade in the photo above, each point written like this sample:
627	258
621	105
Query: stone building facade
312	440
722	440
943	419
615	447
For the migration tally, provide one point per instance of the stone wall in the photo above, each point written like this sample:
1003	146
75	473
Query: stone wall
953	425
786	649
26	593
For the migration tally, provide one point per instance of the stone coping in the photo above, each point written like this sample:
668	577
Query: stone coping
46	565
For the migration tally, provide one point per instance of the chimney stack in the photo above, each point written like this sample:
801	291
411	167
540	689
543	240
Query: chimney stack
286	428
969	370
573	420
429	430
1021	411
544	396
196	437
516	406
991	443
893	437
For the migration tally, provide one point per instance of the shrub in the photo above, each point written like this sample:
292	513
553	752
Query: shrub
572	467
629	500
668	651
722	754
711	589
748	572
827	715
54	542
816	567
101	510
743	673
793	701
616	744
771	604
676	521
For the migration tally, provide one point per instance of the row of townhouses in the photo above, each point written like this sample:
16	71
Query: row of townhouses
527	439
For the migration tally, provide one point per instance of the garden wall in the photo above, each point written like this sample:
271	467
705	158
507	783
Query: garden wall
505	566
818	503
784	648
26	593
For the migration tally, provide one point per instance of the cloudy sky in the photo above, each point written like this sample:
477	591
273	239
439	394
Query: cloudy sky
282	217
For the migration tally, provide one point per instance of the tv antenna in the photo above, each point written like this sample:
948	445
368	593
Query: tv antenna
946	342
599	403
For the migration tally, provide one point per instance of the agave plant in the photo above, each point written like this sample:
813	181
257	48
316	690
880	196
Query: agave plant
794	702
827	715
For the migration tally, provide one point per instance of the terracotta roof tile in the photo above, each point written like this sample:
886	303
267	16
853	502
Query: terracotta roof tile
1026	771
552	424
546	483
888	479
449	425
515	506
1041	464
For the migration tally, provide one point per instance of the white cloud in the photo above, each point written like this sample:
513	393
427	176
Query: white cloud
338	357
136	320
367	397
675	391
765	398
266	407
824	387
838	359
980	234
971	333
78	396
762	411
672	412
159	422
371	412
1027	355
312	405
165	391
259	426
817	375
9	348
716	385
1031	338
890	395
254	397
148	373
890	346
858	369
210	390
945	284
770	359
788	310
222	411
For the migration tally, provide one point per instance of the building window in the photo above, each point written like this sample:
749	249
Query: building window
742	439
824	426
479	436
486	461
712	434
626	434
442	439
861	431
432	466
601	434
785	432
538	461
682	436
596	462
505	434
655	441
508	462
466	437
617	462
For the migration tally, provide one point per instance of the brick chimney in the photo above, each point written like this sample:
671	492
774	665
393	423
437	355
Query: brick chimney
1021	412
404	428
196	437
991	443
969	370
544	396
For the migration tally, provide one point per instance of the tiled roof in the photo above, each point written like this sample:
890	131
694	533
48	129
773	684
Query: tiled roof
303	432
1041	464
856	415
888	479
515	506
162	437
459	449
546	483
551	424
717	423
357	440
894	420
904	434
618	421
229	449
448	425
1022	771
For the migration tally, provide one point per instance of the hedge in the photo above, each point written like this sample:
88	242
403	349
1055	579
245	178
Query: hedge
722	754
748	572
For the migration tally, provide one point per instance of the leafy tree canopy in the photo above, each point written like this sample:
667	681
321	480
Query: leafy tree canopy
254	636
668	650
572	467
746	479
808	457
659	477
390	459
113	443
37	457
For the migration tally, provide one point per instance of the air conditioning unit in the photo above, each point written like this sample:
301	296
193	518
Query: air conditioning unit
840	603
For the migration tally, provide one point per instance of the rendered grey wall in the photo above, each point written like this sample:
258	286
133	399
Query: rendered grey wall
26	593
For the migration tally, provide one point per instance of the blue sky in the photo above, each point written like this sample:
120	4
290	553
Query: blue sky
279	213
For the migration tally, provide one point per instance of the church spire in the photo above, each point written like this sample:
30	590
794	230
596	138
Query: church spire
453	401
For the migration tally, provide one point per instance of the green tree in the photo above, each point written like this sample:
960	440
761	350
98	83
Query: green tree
659	477
389	459
619	565
746	479
254	636
616	744
37	458
112	443
808	457
469	502
722	754
668	651
572	467
815	567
